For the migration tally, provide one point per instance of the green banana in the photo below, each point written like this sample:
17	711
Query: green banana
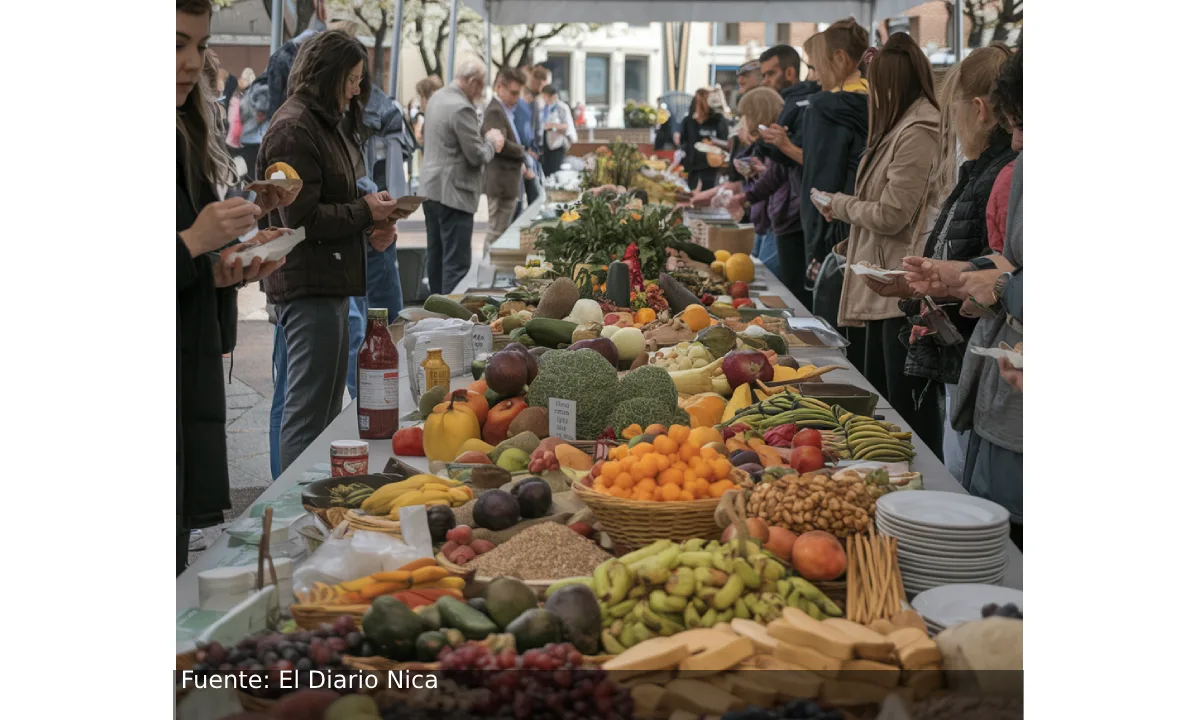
743	570
795	599
600	583
729	594
638	592
698	603
560	584
783	587
725	616
682	582
654	575
709	618
620	581
694	545
696	559
610	643
722	562
641	632
740	610
691	618
773	570
628	635
621	609
713	545
812	610
648	551
660	602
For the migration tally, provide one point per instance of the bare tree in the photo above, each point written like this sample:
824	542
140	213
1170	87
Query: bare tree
974	11
518	42
1008	21
427	25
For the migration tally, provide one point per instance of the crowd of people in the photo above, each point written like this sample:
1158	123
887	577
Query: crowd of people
868	159
864	159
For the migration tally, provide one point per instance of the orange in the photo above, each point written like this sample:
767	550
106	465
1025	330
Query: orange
646	484
610	470
689	476
637	472
720	468
658	494
601	489
670	492
641	449
686	495
679	433
624	481
702	436
656	429
702	489
673	457
687	451
598	483
670	476
620	492
665	445
661	462
704	471
709	453
619	452
644	495
695	462
718	489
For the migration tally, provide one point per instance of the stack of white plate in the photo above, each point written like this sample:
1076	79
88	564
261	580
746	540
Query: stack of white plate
944	537
949	605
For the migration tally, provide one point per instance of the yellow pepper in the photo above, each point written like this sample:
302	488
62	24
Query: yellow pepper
447	429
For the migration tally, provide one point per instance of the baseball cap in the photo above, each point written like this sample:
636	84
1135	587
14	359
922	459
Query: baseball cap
752	66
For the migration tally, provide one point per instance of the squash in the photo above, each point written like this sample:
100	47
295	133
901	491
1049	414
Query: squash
447	429
739	266
705	409
645	315
630	343
696	317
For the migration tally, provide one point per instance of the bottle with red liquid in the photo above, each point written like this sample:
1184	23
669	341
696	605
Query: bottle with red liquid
378	380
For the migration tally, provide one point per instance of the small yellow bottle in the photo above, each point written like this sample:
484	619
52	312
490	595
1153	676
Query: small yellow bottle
436	371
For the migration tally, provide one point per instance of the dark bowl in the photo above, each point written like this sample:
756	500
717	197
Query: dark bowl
317	494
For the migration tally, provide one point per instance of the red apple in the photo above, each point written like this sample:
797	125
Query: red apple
807	458
746	366
495	430
742	302
807	437
739	289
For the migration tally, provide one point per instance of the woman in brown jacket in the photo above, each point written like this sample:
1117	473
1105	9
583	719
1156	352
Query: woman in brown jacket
886	215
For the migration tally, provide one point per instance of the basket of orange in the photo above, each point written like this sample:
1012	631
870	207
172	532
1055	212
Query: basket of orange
667	484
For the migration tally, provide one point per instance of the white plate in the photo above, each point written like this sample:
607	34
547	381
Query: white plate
708	148
938	538
945	550
989	578
952	604
270	251
952	563
947	510
1016	358
916	587
948	533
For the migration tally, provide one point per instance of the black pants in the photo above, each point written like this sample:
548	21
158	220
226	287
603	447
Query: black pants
552	160
448	239
249	153
879	354
790	246
702	179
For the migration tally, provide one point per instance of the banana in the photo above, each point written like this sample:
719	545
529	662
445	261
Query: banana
740	610
691	618
812	594
654	575
460	495
795	599
641	633
600	582
812	610
621	609
722	562
707	577
696	559
638	592
743	570
773	571
649	551
713	545
610	643
682	582
783	587
709	618
559	585
725	616
628	637
620	581
404	500
660	602
694	545
727	595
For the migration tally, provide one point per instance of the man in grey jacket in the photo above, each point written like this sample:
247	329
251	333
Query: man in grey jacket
452	173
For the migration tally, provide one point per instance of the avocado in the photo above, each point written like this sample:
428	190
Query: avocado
430	617
506	598
392	628
429	644
577	608
535	628
461	616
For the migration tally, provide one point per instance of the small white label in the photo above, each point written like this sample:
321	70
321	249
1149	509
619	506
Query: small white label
364	423
481	341
562	418
379	389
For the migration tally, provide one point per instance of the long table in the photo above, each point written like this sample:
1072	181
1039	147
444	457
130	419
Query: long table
934	474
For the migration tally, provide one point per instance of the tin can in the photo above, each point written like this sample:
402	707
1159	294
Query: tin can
348	457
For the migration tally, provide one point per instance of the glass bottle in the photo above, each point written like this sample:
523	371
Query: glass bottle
378	380
435	370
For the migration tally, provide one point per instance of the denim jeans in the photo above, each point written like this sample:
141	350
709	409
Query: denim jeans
765	250
383	291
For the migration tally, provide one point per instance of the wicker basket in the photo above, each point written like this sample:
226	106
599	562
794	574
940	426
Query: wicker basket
529	236
633	524
312	616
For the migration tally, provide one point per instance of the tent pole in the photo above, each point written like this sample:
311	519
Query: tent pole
958	31
276	25
453	40
397	40
487	39
871	27
712	64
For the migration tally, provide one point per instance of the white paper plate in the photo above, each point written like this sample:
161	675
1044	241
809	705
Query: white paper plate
947	510
915	586
862	269
908	528
271	251
947	550
937	537
999	559
952	604
708	148
1016	358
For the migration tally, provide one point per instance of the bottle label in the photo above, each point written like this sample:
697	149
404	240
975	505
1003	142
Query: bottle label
379	389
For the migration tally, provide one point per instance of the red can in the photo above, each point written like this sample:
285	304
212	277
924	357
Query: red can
348	457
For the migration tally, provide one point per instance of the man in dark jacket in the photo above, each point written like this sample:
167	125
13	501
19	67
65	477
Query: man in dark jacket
503	174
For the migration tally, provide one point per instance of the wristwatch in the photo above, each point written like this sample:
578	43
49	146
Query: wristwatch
983	263
1001	283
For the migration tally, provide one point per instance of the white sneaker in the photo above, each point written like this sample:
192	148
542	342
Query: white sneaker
196	541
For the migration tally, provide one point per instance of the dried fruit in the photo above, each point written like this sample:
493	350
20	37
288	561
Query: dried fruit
814	501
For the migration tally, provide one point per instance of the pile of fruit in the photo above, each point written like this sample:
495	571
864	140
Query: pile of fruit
418	583
666	588
680	464
461	547
683	356
814	501
427	490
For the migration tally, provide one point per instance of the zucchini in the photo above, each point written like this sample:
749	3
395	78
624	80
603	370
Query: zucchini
456	614
677	296
696	252
445	306
549	332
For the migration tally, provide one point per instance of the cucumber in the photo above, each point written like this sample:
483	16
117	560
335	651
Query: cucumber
549	332
456	614
445	306
696	252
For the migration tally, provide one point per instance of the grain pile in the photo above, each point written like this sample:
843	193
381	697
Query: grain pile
547	551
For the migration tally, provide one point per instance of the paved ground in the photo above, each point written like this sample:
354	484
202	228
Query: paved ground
248	395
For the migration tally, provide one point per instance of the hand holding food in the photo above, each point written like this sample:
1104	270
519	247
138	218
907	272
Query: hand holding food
218	223
382	205
775	135
897	288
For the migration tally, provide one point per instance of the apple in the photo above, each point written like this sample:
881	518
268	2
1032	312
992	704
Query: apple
739	289
746	366
757	527
742	302
807	437
817	555
807	458
495	430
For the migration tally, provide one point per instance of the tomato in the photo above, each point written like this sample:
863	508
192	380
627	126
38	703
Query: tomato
807	458
409	441
742	302
807	437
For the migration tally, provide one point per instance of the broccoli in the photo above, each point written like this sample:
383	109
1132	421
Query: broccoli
584	376
649	381
640	411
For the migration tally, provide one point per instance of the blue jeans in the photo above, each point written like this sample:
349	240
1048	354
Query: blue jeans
383	291
765	250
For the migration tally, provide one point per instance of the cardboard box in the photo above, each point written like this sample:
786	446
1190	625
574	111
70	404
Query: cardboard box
733	238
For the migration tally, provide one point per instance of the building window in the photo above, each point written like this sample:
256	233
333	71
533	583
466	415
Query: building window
728	34
596	80
726	77
783	34
637	79
559	65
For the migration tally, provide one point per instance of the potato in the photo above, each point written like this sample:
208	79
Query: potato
304	705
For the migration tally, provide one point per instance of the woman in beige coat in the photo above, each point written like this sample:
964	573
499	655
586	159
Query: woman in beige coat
886	217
